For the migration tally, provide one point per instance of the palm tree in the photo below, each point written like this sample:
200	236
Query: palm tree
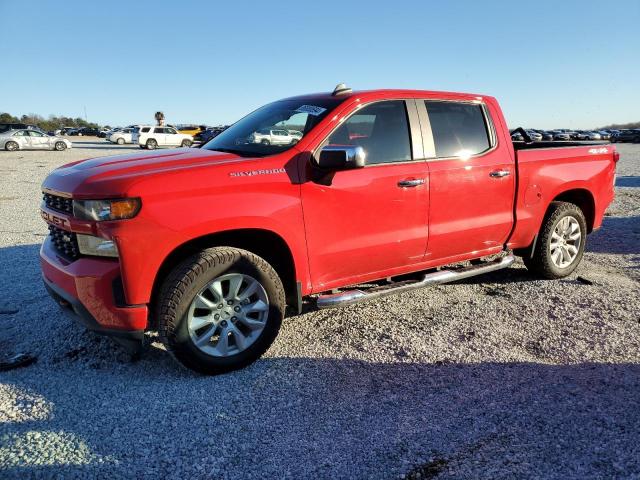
160	118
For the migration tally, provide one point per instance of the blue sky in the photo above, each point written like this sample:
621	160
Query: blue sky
550	63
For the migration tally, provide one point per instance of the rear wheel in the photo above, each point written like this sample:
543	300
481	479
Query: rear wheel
152	144
11	146
220	310
265	142
60	146
561	242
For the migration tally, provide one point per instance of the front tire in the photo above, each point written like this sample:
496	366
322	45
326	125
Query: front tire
11	146
60	146
561	242
186	143
220	310
120	141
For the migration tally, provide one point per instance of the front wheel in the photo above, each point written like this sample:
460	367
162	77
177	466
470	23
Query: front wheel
220	310
120	141
60	146
561	242
11	146
186	143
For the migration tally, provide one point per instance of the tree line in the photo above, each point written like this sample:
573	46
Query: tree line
53	122
622	126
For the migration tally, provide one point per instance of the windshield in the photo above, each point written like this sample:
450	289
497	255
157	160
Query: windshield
274	128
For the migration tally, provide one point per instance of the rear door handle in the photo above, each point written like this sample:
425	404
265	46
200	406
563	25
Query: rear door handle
411	182
499	173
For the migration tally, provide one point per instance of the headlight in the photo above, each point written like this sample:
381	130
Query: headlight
100	210
90	245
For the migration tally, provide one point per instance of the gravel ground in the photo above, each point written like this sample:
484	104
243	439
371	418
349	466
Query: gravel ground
498	376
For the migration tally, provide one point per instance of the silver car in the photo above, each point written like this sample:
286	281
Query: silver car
32	140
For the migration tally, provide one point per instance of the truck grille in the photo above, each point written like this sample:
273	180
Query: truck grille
55	202
66	243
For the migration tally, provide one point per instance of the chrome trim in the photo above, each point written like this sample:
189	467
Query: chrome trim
499	173
415	130
413	182
442	276
51	191
428	143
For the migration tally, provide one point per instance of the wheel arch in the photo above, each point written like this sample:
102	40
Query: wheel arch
264	243
581	197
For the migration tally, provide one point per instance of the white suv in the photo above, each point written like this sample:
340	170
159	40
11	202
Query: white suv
151	137
121	136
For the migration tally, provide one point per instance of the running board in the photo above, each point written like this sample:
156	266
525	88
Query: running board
442	276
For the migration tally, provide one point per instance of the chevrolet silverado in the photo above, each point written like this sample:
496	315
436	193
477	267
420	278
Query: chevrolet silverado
212	246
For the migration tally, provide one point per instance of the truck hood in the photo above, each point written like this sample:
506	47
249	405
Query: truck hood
88	178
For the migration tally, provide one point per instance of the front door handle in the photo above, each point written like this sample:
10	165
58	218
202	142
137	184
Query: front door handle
411	182
499	173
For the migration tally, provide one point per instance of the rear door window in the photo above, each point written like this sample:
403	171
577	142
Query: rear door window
459	129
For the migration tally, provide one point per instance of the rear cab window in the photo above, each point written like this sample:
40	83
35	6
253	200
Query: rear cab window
459	129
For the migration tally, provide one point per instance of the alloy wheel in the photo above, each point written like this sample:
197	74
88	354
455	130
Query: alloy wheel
565	242
228	315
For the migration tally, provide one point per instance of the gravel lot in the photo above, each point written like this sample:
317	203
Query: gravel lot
498	376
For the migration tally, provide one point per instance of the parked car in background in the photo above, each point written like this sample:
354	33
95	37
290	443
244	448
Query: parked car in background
546	136
150	137
32	140
587	135
535	136
103	132
273	136
631	135
191	129
206	135
84	131
122	136
560	135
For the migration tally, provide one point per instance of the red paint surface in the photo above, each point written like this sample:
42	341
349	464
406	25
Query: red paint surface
360	227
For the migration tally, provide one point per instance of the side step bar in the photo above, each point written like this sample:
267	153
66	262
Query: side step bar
442	276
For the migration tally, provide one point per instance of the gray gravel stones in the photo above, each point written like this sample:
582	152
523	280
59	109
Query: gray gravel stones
500	376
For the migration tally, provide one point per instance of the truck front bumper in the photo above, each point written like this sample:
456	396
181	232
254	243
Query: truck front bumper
91	288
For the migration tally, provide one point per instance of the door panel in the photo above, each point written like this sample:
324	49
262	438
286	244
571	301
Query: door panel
472	187
361	223
364	222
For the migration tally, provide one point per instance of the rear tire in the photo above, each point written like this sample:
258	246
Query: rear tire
188	298
60	146
265	142
152	144
561	242
11	146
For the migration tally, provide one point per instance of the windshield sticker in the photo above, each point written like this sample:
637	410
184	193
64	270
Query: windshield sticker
311	110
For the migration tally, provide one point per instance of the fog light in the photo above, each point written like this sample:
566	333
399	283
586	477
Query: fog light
90	245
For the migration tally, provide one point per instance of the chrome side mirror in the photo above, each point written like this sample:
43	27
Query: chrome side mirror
341	157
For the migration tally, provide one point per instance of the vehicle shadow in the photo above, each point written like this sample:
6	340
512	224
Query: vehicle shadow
314	417
628	181
619	235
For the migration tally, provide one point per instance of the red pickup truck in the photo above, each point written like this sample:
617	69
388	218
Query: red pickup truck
210	246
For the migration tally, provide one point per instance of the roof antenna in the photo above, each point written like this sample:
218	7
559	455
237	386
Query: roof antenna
341	89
